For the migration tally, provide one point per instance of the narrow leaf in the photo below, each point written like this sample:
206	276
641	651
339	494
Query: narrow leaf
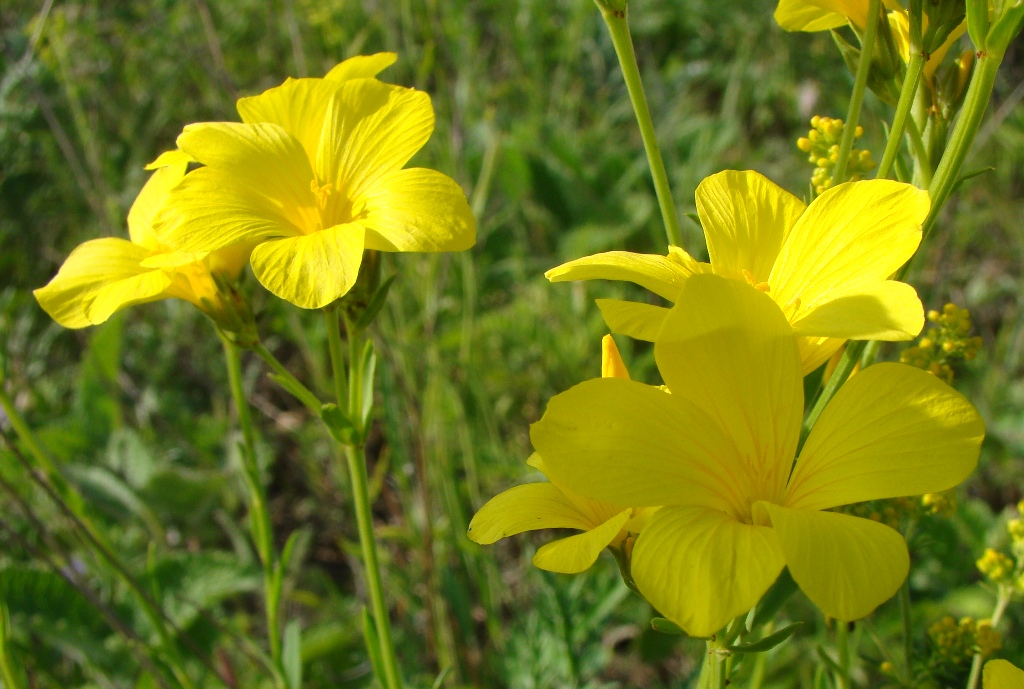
767	643
291	656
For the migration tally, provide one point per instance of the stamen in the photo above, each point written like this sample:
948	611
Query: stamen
759	286
321	192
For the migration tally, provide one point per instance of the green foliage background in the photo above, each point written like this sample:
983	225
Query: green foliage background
533	120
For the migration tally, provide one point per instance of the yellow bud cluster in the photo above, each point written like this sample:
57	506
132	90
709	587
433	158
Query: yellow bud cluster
955	643
889	512
822	146
939	504
944	344
996	566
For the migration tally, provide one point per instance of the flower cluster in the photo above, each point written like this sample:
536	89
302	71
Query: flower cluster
1005	571
954	643
944	345
313	176
822	145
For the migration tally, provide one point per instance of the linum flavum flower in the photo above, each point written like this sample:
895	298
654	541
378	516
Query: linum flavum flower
105	275
314	175
1002	674
535	506
718	455
827	264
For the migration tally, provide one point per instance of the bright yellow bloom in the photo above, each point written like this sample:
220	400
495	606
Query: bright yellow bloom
827	264
105	275
1002	674
718	454
548	506
314	174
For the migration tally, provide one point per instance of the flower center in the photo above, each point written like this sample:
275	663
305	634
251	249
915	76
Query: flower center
759	286
321	192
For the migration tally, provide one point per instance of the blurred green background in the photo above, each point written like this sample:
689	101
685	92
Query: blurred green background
533	120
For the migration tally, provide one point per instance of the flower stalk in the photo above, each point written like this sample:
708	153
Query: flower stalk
617	19
859	87
903	107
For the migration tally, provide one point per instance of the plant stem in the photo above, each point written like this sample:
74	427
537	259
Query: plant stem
922	157
259	513
903	107
905	611
355	454
618	26
964	130
1002	600
843	642
26	436
849	360
867	47
300	391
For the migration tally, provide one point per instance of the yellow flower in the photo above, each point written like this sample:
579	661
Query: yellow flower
718	455
825	264
314	174
1002	674
548	506
105	275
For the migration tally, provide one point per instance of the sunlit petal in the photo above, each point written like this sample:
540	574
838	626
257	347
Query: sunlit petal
891	430
801	15
1002	674
577	553
868	309
528	507
361	67
701	568
634	319
846	565
313	270
728	350
746	218
659	274
149	201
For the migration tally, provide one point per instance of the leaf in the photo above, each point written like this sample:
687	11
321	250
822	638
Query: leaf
192	582
774	599
373	647
376	303
769	642
291	659
369	369
968	175
441	676
339	425
827	659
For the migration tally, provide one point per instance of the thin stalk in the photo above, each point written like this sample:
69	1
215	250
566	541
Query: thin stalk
842	371
1002	601
964	130
860	84
618	26
259	513
903	107
26	436
300	391
355	455
922	157
908	652
843	642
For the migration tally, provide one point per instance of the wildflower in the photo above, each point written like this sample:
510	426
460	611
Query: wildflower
945	345
825	264
718	453
1002	674
939	504
954	644
822	145
549	506
996	566
103	276
314	175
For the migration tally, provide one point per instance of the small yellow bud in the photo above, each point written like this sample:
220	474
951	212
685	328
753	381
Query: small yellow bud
996	566
804	144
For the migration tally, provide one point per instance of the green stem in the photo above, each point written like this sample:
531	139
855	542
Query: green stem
922	157
903	107
259	513
905	610
843	642
618	27
860	84
26	436
290	382
1002	601
842	371
355	454
964	130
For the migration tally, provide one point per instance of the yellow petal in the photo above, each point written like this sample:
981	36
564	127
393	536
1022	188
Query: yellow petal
636	320
577	553
98	278
701	568
150	200
171	259
528	507
803	15
892	430
935	59
850	234
630	444
370	129
313	270
746	218
1002	674
167	158
727	349
867	309
612	365
814	351
298	106
361	67
417	210
846	565
660	274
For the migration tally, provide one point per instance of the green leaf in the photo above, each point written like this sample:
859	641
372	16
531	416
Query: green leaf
771	602
338	424
968	175
376	303
827	659
291	658
373	647
441	676
369	369
769	642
